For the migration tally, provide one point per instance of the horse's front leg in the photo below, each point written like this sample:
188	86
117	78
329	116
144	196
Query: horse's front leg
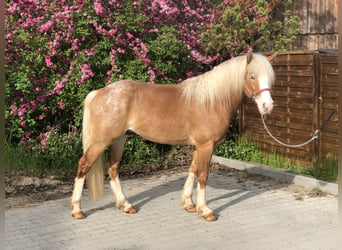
204	153
186	198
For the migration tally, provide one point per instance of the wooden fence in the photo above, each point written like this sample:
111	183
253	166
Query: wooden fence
305	93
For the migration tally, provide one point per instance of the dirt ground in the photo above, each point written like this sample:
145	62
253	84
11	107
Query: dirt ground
27	189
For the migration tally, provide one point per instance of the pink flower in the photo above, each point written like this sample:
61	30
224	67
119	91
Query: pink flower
75	44
145	49
86	72
73	129
43	139
46	26
152	75
41	99
61	105
98	8
33	104
48	62
14	110
112	32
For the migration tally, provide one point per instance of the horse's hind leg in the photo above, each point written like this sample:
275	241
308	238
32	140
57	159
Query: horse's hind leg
114	157
84	165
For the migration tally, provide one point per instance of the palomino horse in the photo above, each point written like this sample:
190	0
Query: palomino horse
195	112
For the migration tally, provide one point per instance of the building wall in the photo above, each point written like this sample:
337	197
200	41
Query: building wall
319	24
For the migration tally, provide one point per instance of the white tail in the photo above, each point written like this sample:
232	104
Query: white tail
95	175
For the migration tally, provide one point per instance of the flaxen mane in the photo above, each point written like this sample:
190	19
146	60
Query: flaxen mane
224	80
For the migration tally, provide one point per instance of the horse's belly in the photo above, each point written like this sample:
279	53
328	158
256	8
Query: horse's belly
164	133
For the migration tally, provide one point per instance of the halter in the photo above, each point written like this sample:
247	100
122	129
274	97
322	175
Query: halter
252	95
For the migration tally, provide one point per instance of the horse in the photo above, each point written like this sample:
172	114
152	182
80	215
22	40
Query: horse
194	112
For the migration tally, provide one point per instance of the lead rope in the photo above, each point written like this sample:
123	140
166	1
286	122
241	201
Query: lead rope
315	135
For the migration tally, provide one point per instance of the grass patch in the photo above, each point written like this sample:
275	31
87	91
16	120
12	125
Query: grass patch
325	169
244	149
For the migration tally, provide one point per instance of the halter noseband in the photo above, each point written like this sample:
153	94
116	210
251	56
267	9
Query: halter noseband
252	95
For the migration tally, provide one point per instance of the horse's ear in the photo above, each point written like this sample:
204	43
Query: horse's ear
271	57
249	57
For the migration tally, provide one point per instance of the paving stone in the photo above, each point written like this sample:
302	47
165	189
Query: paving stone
250	216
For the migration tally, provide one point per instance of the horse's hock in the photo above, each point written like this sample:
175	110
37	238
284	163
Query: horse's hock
305	94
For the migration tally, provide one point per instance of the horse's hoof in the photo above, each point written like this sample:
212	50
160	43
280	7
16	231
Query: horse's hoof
191	208
78	215
131	210
210	217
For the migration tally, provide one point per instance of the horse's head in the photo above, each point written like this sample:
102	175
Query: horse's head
259	78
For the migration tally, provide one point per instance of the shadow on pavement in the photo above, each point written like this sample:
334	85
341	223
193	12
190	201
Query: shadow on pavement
232	183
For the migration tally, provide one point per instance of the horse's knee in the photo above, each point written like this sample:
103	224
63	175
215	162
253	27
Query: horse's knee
113	171
202	180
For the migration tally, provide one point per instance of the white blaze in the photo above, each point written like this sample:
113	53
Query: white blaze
264	99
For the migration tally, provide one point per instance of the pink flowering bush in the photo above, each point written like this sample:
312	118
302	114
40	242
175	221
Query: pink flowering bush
58	51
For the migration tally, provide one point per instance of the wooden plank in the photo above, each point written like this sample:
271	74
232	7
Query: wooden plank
278	131
303	152
329	58
329	148
305	82
301	59
329	88
293	60
330	69
329	95
331	127
279	113
325	139
329	80
281	126
329	104
295	103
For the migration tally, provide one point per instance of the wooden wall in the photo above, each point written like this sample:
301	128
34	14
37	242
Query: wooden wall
319	23
305	93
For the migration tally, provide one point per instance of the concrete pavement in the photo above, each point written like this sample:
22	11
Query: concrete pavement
253	213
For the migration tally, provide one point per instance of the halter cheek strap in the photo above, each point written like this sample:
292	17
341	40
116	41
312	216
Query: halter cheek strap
255	94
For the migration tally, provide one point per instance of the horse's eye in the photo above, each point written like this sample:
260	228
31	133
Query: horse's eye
252	77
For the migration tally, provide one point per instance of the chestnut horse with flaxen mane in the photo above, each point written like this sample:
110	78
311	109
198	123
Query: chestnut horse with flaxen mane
195	112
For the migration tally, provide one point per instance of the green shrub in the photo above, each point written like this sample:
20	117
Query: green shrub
58	154
138	151
61	152
239	149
